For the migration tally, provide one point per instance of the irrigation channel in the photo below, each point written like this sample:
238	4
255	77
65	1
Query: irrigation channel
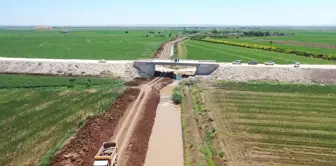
165	144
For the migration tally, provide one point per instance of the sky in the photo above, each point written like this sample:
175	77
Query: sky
167	12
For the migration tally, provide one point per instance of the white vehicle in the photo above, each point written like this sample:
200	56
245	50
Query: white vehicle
297	64
102	61
269	63
237	62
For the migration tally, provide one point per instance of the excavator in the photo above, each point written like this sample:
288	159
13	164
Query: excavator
107	155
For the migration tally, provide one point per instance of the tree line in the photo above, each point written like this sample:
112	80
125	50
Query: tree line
251	33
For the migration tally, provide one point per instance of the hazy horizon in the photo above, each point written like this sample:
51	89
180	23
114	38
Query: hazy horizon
168	13
169	25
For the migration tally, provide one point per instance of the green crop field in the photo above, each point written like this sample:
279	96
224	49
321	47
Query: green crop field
309	36
36	118
224	53
82	44
274	123
265	41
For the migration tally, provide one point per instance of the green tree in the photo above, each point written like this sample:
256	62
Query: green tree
214	31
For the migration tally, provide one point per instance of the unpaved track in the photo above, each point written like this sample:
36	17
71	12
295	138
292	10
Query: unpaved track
125	129
165	53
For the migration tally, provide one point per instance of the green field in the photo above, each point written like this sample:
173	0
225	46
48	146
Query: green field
34	120
275	123
259	41
224	53
81	44
309	36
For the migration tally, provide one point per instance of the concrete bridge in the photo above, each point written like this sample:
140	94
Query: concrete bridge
146	68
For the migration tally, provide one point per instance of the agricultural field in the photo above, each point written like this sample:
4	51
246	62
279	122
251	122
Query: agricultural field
225	53
82	44
267	123
309	36
292	42
39	113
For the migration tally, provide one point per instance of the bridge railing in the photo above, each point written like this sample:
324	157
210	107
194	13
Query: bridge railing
207	60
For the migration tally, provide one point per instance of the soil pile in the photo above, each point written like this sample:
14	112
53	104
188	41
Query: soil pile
137	81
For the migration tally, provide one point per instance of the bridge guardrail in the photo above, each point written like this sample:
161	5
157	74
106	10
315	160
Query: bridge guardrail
207	60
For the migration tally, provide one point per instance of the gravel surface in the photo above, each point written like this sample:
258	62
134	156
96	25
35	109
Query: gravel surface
115	69
125	70
284	73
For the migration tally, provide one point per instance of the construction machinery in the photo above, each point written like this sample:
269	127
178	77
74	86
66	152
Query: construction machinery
107	155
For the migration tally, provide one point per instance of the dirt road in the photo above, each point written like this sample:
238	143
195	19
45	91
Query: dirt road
166	49
126	128
165	146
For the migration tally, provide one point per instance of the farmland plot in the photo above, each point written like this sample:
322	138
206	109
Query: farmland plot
279	124
225	53
35	119
81	44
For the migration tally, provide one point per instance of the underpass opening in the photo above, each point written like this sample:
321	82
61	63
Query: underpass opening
147	68
175	71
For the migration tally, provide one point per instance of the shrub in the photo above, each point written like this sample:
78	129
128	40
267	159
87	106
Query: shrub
221	154
72	79
177	97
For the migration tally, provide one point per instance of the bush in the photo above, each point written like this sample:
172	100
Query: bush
177	97
221	154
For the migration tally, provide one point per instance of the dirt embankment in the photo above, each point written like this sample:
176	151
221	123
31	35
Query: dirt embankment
137	81
303	74
83	147
139	141
66	67
159	51
164	48
201	145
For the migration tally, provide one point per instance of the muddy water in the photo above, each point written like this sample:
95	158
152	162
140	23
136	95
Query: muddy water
165	144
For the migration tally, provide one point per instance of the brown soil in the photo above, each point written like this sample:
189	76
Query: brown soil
158	52
137	81
83	147
319	45
163	49
138	145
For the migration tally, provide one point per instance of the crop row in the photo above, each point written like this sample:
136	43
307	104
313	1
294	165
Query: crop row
283	88
22	81
273	49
